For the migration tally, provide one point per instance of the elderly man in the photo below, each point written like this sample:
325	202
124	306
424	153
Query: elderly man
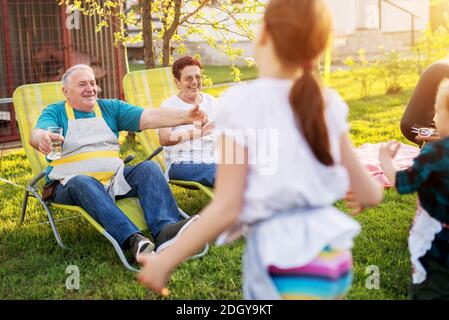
90	173
189	151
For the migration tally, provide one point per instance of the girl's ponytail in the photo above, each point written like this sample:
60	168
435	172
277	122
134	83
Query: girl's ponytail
307	102
300	31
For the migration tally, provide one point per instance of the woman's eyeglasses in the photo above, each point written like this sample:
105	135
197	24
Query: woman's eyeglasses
197	78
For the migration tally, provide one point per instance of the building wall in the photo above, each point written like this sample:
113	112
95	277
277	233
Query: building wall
393	20
355	15
367	14
344	14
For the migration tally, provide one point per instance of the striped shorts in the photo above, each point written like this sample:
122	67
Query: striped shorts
327	277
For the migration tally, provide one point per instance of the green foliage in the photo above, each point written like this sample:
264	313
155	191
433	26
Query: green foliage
236	73
214	75
391	68
218	23
362	72
433	46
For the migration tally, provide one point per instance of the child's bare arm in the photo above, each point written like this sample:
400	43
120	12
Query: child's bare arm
220	214
367	191
386	154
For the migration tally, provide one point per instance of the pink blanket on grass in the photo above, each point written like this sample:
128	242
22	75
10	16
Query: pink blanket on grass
368	155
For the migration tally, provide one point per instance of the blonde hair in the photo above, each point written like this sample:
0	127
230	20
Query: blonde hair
69	71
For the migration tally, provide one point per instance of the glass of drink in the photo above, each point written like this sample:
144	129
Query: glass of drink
56	145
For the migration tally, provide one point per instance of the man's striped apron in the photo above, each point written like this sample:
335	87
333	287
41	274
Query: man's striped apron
90	148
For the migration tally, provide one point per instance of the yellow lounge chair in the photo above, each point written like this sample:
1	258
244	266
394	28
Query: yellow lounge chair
148	89
29	101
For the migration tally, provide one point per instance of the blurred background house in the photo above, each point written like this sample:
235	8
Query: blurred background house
376	24
368	24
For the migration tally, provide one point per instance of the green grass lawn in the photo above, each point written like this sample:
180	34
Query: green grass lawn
32	266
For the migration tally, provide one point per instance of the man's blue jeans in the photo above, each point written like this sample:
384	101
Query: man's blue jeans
148	184
203	173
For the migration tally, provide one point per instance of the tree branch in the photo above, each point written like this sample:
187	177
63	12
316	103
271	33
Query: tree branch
194	12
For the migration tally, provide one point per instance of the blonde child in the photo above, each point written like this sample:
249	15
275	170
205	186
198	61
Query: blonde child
298	244
429	176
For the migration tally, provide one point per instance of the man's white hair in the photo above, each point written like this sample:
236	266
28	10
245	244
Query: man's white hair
66	75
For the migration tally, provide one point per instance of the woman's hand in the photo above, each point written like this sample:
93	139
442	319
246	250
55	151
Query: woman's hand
196	116
207	129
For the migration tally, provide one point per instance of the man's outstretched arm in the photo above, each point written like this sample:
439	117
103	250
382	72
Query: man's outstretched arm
170	117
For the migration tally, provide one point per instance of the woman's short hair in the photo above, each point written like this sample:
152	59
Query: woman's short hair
183	62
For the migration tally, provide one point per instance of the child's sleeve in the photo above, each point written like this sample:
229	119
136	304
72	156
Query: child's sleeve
429	160
233	115
338	113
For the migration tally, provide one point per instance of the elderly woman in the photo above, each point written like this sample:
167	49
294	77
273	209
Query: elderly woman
189	149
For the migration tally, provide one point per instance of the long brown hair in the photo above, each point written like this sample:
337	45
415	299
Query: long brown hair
300	31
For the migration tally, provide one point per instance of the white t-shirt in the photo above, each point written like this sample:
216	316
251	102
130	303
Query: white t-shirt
199	150
283	171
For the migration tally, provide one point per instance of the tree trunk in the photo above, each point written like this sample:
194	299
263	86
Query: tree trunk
148	50
166	50
169	32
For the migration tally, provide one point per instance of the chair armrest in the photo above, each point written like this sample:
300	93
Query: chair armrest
37	178
155	153
129	158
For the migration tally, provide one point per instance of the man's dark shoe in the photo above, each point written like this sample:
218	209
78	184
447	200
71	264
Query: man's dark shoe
171	232
140	245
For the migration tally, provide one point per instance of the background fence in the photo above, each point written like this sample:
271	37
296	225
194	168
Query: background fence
39	40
